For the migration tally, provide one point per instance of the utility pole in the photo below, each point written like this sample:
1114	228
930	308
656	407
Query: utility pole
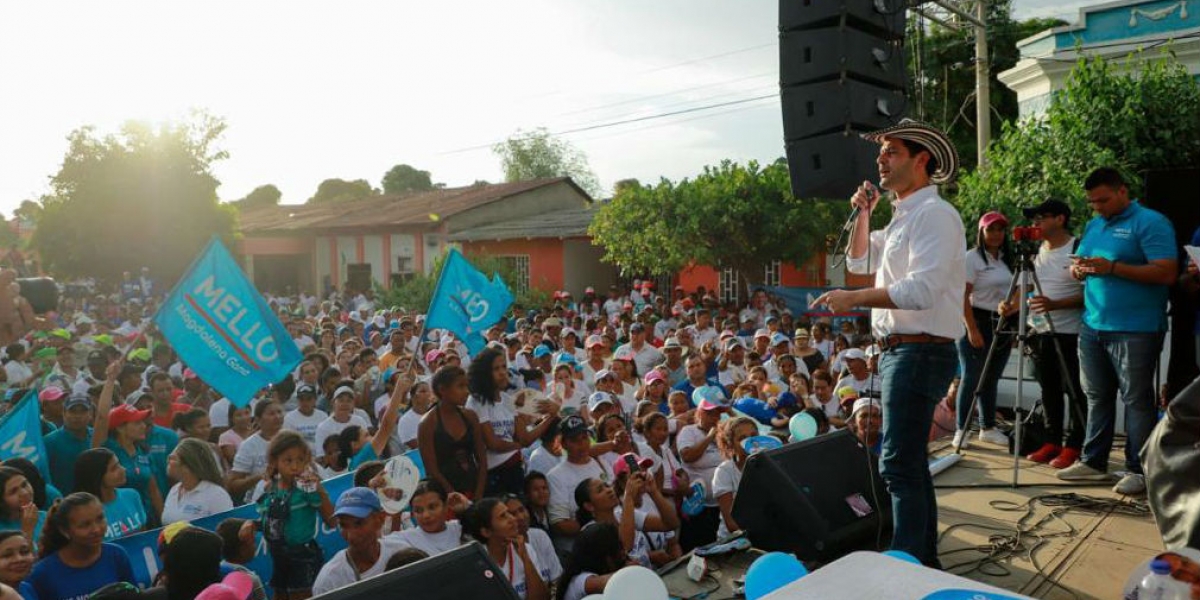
983	104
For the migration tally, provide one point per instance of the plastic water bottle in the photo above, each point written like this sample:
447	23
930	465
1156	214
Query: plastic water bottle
1159	585
1037	320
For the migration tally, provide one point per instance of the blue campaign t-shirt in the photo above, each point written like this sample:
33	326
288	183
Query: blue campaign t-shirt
52	579
126	514
365	454
1136	236
139	471
62	449
15	525
161	442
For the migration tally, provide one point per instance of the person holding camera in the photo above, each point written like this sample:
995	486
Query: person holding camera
1061	299
1127	260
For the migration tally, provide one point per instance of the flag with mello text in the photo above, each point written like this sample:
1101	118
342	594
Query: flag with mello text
466	302
21	433
224	330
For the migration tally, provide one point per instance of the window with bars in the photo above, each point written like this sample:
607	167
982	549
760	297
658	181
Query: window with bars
728	286
771	273
519	266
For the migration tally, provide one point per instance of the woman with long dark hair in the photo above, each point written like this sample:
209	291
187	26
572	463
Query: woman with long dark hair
44	493
100	474
989	276
75	559
596	555
17	509
16	558
505	431
491	524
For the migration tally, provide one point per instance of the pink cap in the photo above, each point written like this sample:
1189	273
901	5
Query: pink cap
432	355
654	375
189	374
235	586
988	219
51	393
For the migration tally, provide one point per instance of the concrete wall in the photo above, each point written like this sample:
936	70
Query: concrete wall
582	267
545	258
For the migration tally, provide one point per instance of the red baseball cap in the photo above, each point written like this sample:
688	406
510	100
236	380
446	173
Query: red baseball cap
126	413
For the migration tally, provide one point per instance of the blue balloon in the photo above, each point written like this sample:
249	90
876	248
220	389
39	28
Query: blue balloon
758	443
902	555
693	503
803	426
770	572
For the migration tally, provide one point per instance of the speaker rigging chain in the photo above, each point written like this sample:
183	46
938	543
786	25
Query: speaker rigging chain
1024	540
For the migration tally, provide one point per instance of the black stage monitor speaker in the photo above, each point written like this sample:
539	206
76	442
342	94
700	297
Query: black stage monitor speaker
818	498
465	572
842	71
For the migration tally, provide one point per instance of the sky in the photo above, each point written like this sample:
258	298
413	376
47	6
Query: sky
314	90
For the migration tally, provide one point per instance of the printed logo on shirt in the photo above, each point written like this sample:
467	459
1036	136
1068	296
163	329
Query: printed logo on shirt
1122	233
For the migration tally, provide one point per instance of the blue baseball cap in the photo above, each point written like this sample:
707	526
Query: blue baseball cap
359	502
540	351
779	338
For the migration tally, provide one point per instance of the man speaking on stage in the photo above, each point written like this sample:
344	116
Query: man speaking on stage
920	280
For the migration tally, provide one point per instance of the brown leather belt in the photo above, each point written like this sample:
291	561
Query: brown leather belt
899	339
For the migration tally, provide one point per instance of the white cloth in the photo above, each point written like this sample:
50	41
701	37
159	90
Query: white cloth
864	387
989	280
305	425
207	498
725	480
576	589
503	419
330	426
17	372
542	461
1053	272
406	428
429	543
703	468
646	358
919	259
564	478
338	572
700	337
733	375
514	569
546	556
641	543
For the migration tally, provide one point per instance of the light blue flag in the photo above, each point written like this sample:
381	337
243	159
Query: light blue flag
21	433
224	330
466	302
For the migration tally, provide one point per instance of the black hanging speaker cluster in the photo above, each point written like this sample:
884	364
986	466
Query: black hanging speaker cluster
841	73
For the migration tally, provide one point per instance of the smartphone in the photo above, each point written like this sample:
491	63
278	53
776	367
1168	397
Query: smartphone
633	465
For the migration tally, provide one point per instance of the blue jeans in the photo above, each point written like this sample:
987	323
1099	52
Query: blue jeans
915	378
1112	363
972	359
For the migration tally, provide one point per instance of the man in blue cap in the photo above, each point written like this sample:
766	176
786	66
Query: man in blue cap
360	519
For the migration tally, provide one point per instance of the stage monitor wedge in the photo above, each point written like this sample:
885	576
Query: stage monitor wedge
463	573
819	498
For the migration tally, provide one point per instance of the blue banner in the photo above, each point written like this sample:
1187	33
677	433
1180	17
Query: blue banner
799	298
143	547
223	329
466	302
21	433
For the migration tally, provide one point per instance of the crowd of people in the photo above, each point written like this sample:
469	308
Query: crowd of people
569	447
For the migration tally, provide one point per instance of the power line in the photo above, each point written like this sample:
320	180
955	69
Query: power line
688	120
671	93
626	121
671	105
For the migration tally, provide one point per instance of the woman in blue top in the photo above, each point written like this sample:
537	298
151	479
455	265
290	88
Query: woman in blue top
129	428
99	473
44	493
75	561
17	509
357	446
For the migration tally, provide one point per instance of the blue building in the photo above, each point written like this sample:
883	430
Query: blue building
1111	30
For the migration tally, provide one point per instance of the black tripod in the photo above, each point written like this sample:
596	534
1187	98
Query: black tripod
1024	279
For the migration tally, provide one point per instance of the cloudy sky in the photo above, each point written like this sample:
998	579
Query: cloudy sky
313	90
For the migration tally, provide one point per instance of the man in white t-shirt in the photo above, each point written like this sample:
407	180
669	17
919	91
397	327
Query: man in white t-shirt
360	519
858	376
306	417
578	466
645	356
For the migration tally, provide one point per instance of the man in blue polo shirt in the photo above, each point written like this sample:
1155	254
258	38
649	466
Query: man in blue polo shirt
1127	259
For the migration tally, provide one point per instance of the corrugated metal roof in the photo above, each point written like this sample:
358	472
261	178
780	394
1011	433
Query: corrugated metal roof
384	211
556	224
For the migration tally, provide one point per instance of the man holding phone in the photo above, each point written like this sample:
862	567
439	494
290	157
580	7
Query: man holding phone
919	261
1127	260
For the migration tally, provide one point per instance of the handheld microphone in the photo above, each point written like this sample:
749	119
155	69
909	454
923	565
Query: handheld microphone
872	194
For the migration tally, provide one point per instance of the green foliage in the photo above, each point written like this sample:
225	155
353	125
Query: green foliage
341	190
403	179
731	215
144	196
416	292
263	195
941	61
537	154
1104	116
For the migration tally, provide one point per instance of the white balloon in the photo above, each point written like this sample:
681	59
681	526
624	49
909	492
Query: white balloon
635	583
593	597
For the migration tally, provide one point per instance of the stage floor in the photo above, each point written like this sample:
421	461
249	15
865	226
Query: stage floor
1093	562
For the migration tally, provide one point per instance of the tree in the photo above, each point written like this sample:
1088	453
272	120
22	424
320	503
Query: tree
341	190
416	292
263	195
1142	117
537	154
403	179
942	86
143	196
743	217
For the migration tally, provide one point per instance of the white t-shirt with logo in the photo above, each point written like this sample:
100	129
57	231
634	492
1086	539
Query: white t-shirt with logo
514	569
641	544
702	469
331	426
207	498
305	425
1054	273
503	420
563	480
726	480
989	278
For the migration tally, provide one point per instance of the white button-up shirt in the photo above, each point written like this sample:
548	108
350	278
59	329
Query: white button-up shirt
919	259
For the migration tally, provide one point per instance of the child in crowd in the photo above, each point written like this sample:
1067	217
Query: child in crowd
667	469
74	559
598	553
537	500
729	473
680	410
288	511
434	533
490	523
450	438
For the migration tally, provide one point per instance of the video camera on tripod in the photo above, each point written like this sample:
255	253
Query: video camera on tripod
1026	240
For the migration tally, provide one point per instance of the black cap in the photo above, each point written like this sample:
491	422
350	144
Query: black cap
96	356
572	425
638	326
1049	207
305	389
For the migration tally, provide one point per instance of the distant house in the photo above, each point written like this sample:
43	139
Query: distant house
387	238
1110	30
